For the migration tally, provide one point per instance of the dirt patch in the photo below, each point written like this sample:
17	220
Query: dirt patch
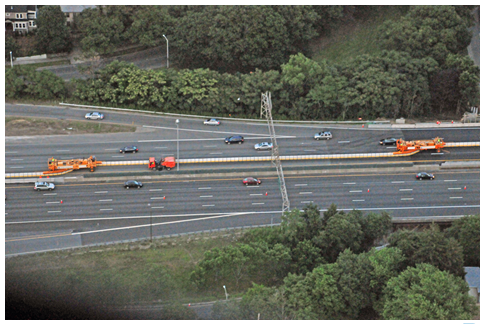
20	126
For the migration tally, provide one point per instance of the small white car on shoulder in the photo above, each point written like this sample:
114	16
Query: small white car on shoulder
94	115
212	122
263	146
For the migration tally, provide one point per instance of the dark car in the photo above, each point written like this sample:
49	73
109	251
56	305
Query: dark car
388	141
251	181
132	184
129	149
234	139
425	175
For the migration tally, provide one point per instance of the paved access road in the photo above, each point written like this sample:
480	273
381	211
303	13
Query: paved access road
93	213
158	138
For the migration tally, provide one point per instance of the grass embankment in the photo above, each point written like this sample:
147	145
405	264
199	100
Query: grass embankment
355	38
119	274
23	126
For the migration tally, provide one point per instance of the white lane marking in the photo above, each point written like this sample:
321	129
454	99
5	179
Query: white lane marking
54	194
17	159
405	189
53	211
407	198
258	203
344	142
106	209
450	180
52	202
398	182
205	131
436	153
210	146
100	191
71	177
305	193
359	200
355	191
206	196
155	189
105	200
159	197
16	167
161	147
208	205
306	202
300	185
256	194
62	150
455	197
454	188
215	153
391	147
11	152
204	188
349	183
158	207
310	150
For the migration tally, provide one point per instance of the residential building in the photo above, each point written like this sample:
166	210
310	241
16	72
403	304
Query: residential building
72	11
473	279
21	19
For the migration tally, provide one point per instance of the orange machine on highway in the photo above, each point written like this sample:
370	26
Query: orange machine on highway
57	166
165	163
411	147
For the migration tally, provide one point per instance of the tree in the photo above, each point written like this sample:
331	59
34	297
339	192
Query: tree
11	46
52	33
375	226
25	81
466	231
267	302
298	226
426	293
469	80
434	31
150	24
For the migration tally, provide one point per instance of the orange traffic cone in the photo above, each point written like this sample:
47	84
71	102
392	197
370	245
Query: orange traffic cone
363	126
266	193
368	189
61	201
164	197
464	187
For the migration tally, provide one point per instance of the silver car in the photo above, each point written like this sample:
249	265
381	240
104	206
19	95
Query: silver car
94	115
44	186
263	146
212	122
323	135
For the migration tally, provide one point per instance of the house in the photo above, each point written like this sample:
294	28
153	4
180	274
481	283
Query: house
72	11
21	19
473	279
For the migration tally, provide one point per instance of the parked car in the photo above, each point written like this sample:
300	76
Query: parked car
132	184
263	146
234	139
323	135
44	186
251	181
129	149
425	175
388	141
212	122
94	115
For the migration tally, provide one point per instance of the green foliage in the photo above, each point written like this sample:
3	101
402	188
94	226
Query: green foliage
150	24
426	293
267	302
430	246
434	31
467	231
11	46
52	33
24	81
270	235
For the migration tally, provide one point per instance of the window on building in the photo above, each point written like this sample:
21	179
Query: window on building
7	14
19	16
23	25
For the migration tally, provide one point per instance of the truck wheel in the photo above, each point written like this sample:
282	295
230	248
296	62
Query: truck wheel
240	143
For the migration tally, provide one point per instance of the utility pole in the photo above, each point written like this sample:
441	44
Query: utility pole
11	62
266	107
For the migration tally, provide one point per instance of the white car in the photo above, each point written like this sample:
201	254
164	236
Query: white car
94	115
44	186
263	146
323	135
212	122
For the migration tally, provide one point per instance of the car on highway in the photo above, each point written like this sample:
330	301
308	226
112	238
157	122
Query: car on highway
129	149
388	141
425	175
234	139
323	135
94	115
263	146
212	122
41	185
132	184
250	181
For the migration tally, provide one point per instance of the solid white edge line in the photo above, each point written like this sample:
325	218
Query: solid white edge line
454	188
359	200
355	191
455	197
407	198
106	209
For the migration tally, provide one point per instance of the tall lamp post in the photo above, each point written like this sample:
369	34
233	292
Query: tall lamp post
11	62
177	145
226	296
150	222
167	52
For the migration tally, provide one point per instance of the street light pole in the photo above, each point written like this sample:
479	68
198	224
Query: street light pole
226	296
150	222
11	62
177	145
167	52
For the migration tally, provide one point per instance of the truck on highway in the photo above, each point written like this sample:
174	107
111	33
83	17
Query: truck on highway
164	163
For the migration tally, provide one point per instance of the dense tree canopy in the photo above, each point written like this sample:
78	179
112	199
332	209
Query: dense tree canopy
52	33
466	231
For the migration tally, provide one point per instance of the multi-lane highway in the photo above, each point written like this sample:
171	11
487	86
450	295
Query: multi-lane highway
82	213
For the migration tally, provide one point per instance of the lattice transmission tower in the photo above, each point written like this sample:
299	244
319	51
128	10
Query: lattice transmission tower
266	107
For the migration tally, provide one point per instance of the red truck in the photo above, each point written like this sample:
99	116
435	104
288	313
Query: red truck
164	163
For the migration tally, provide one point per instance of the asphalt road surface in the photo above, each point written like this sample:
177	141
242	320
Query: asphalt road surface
93	213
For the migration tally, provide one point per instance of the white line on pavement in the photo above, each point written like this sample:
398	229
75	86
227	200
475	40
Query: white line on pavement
349	183
355	191
305	193
436	153
100	191
398	182
53	211
405	189
300	185
51	194
208	205
205	131
359	200
52	202
454	188
306	202
310	150
256	194
258	203
204	188
106	209
456	197
105	200
407	198
70	177
210	146
450	180
344	142
16	167
206	196
158	197
155	189
158	207
215	153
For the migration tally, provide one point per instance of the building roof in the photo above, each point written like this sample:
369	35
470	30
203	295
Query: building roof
67	9
473	277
